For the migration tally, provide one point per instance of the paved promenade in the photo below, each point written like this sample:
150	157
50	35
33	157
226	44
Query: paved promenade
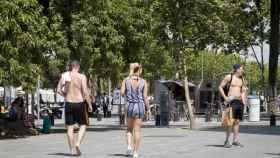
105	139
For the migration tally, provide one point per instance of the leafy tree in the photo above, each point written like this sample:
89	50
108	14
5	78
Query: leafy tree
22	37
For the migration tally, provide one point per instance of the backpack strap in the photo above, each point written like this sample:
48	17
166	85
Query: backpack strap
242	78
231	76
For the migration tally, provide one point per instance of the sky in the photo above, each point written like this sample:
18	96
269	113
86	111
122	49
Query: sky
258	53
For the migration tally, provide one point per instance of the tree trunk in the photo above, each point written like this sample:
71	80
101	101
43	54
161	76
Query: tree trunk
197	95
274	41
189	106
109	87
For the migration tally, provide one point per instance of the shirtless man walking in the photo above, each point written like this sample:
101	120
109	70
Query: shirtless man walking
236	99
75	92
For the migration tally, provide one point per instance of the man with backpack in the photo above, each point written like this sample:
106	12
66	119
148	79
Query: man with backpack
233	91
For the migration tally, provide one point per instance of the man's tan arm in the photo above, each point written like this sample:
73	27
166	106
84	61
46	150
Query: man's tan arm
59	88
222	85
244	95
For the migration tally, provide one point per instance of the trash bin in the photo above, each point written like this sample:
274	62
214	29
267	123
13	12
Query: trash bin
46	125
254	108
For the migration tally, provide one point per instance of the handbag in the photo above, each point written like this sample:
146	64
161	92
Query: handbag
227	119
85	112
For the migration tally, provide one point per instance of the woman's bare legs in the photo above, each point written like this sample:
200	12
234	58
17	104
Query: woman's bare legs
137	135
130	123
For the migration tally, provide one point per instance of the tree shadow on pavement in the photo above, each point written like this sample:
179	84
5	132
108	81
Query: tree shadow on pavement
165	136
215	145
250	129
105	128
119	155
274	154
12	137
63	154
90	129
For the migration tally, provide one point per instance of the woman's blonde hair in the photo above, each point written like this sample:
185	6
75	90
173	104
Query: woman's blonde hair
135	68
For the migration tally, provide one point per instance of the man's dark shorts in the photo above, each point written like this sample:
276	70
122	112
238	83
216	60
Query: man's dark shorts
237	109
75	113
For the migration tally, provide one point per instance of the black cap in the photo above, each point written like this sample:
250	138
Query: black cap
236	66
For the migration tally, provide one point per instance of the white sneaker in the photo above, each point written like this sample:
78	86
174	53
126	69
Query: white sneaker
135	155
129	151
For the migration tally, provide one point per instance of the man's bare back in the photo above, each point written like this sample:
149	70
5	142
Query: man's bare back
77	89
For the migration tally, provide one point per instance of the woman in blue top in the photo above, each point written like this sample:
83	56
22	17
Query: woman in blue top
135	89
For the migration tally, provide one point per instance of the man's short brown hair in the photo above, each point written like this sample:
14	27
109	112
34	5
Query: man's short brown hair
74	63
